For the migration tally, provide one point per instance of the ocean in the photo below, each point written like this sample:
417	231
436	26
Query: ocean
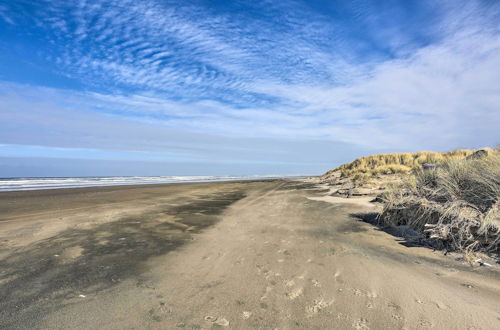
15	184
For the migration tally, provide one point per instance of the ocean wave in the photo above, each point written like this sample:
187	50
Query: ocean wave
15	184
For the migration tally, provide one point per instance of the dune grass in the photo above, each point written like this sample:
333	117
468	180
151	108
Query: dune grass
457	204
395	163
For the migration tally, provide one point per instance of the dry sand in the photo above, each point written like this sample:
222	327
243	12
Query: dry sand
240	255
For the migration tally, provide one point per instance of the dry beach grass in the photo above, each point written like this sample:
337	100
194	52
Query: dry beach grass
457	204
365	168
450	200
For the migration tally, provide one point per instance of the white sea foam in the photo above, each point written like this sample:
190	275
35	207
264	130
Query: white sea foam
13	184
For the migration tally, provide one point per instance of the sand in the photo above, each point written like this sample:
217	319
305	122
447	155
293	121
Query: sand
274	254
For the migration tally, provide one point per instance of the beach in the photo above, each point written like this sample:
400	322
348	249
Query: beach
265	254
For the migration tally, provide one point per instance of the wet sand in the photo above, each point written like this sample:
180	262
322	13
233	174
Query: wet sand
275	254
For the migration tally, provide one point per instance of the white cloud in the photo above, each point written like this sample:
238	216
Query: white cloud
212	74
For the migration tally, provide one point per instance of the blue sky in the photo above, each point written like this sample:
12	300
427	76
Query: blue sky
154	87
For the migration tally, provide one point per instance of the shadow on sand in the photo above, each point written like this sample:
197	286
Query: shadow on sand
49	274
405	235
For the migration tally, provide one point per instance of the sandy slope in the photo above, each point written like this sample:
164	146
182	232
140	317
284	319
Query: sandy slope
261	255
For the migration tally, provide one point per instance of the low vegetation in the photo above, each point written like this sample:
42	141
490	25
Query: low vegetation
451	199
395	163
457	205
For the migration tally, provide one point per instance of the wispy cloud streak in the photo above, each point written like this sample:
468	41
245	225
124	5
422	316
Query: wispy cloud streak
417	75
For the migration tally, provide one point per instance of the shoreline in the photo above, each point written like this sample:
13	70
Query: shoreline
23	184
130	186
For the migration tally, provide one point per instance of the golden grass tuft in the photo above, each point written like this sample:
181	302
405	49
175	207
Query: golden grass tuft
397	163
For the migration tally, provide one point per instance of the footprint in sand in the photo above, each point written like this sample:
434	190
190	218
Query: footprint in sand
357	292
268	289
361	324
217	320
317	306
393	306
295	293
441	305
425	324
284	251
222	322
160	312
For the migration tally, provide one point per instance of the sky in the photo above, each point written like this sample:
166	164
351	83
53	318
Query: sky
157	87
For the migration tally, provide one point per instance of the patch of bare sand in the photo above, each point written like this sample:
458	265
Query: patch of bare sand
359	201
